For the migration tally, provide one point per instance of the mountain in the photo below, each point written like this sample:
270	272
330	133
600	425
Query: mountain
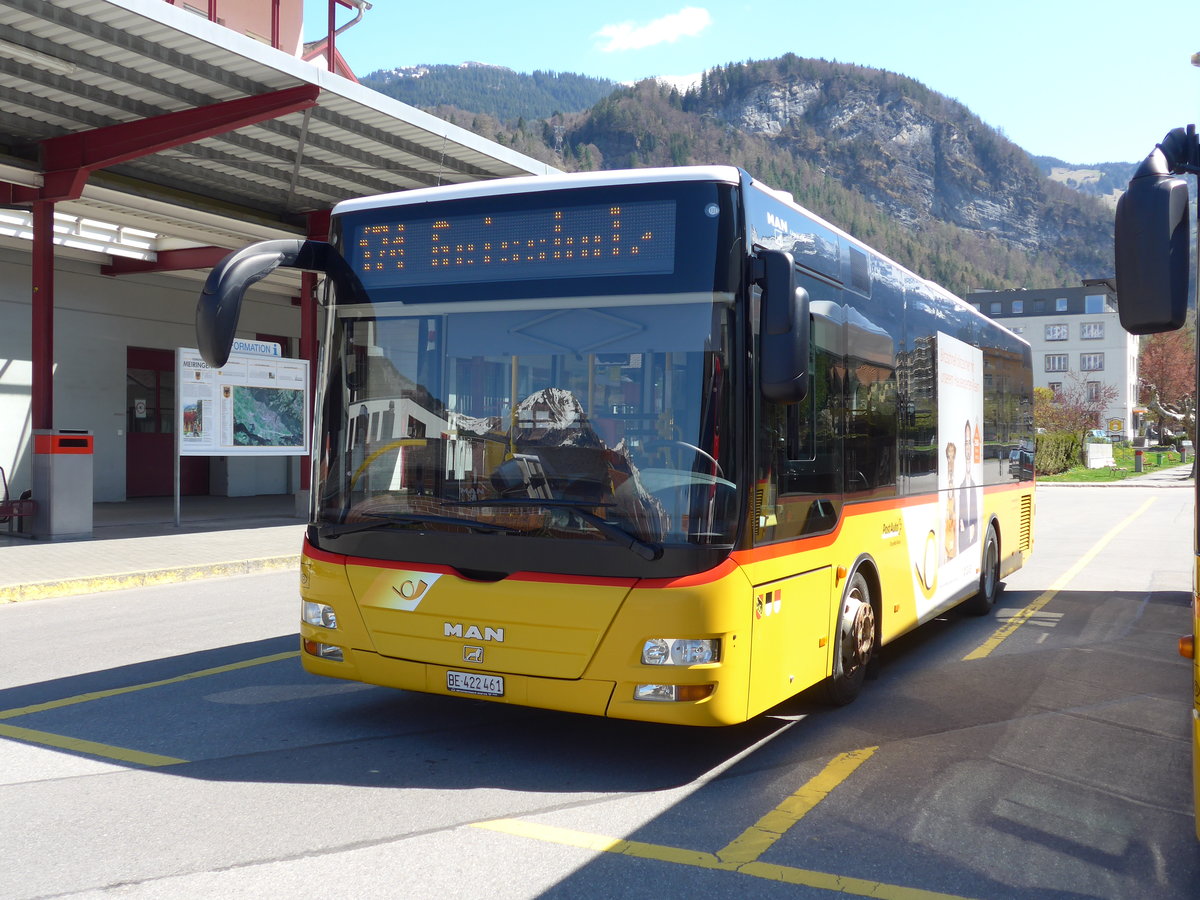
494	90
1104	180
910	171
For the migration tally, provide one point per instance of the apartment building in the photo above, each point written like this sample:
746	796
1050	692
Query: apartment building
1076	335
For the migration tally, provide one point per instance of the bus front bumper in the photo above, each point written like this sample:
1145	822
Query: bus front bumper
585	696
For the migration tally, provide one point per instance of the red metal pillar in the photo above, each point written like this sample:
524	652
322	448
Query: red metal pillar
329	49
68	160
167	261
42	356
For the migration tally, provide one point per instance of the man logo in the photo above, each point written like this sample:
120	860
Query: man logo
472	632
473	654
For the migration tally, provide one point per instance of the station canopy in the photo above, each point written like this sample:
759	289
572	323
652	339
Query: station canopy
69	67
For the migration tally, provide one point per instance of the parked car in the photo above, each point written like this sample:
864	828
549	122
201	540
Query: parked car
1020	463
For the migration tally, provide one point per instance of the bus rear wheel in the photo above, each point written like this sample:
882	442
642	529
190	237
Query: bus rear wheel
989	577
855	645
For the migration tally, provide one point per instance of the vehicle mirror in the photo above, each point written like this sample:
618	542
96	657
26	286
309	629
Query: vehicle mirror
783	365
1151	249
220	304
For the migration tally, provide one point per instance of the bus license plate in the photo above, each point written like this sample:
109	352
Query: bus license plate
475	683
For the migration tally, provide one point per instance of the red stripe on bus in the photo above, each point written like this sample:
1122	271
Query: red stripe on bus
367	562
1004	488
324	556
722	570
725	568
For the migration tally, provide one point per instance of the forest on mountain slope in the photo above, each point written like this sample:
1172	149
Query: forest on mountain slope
500	92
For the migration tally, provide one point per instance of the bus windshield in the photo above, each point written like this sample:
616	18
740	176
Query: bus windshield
534	421
590	403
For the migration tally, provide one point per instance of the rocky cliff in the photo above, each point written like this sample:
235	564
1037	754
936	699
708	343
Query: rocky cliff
980	212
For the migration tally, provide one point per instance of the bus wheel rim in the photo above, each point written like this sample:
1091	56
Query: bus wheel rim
858	633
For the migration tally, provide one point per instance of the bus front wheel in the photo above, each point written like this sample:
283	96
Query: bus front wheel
856	639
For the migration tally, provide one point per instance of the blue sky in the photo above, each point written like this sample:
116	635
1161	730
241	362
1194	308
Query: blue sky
1083	80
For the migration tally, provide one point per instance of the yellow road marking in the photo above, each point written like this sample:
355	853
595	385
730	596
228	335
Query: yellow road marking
91	748
116	692
602	844
740	855
861	886
759	837
108	751
1063	580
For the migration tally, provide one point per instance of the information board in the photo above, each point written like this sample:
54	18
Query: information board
256	404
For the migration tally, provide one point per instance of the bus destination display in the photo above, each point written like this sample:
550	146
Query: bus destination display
554	242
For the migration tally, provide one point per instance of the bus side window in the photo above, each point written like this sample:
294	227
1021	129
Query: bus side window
873	326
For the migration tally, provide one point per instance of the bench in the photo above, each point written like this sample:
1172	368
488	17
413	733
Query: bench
13	510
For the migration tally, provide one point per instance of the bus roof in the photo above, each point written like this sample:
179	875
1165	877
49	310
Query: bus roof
535	183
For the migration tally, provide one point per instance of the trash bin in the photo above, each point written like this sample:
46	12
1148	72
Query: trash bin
62	483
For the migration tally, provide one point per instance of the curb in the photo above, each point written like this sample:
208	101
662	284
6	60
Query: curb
42	590
1156	483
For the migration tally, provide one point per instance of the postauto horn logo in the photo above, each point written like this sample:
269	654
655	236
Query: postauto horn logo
407	590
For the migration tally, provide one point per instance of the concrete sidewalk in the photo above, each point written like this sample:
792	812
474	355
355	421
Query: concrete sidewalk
136	543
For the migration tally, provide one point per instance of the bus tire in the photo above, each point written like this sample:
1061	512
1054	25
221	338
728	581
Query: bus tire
855	643
989	577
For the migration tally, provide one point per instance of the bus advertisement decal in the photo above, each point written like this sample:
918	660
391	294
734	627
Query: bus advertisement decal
943	537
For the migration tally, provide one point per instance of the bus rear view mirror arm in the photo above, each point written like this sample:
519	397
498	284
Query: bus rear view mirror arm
220	304
783	366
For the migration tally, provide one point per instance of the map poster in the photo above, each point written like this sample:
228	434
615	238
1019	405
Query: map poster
254	405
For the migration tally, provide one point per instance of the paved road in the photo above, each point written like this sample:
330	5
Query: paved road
162	742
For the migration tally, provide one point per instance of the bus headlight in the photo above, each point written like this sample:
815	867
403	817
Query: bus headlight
319	614
680	651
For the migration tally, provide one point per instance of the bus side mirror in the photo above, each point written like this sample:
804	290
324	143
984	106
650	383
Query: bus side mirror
783	364
1151	249
220	304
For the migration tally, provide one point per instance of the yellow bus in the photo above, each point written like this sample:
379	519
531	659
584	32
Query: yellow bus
1153	255
654	444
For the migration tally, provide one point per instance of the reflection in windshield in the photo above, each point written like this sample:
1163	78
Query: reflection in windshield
613	416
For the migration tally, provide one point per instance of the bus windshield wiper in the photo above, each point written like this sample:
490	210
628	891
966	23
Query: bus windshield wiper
644	549
383	520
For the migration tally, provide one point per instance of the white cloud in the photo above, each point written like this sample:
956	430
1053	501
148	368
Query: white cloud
688	22
681	83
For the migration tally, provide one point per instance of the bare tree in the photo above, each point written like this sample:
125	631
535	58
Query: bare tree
1167	365
1076	407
